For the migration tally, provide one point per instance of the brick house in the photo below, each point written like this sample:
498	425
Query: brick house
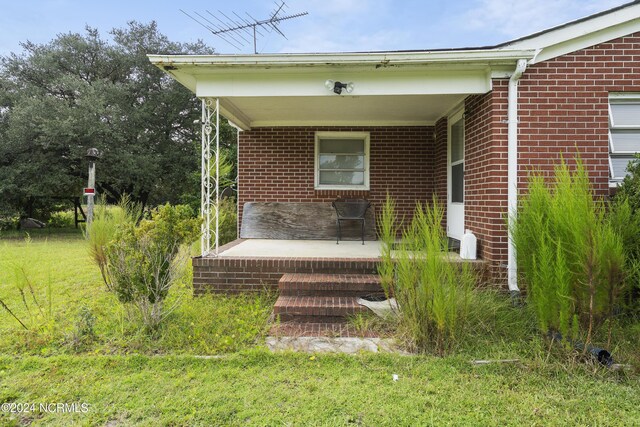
464	124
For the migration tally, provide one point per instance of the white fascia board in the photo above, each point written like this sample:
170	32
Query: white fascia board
581	35
377	59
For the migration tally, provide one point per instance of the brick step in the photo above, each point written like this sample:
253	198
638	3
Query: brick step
310	329
316	309
347	285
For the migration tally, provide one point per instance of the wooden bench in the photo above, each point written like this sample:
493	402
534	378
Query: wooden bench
300	221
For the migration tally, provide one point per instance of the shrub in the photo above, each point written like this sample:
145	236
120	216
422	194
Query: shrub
432	291
62	219
9	222
629	188
569	253
144	261
106	222
228	222
626	220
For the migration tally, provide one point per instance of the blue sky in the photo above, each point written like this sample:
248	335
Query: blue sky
332	25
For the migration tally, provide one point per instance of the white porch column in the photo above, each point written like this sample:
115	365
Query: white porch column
210	177
512	170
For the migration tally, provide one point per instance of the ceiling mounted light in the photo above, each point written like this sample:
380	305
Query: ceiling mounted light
338	87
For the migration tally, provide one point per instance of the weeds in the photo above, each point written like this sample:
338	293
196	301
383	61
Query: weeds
39	314
106	222
83	332
433	293
369	324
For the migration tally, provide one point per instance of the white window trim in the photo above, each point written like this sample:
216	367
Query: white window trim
619	98
341	135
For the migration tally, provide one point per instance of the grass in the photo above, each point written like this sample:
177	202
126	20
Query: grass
259	388
128	378
208	325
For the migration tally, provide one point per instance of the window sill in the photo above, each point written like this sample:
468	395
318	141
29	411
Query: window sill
342	187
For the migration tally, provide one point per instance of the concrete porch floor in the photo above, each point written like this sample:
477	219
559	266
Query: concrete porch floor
268	248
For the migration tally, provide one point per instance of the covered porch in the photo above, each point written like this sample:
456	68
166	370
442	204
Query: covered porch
426	123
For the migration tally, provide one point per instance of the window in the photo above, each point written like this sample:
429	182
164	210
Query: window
624	133
342	161
457	162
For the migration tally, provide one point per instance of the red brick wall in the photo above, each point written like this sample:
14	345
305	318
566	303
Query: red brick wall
277	165
486	170
564	105
563	109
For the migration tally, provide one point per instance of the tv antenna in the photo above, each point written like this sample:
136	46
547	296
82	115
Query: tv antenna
238	30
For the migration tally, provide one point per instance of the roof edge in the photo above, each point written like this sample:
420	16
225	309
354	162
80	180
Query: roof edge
327	59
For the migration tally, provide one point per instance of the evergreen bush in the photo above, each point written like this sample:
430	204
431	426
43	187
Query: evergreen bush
570	255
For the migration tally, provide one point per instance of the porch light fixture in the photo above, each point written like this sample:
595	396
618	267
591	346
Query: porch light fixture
338	87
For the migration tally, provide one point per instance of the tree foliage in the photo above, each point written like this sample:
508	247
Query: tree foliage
79	91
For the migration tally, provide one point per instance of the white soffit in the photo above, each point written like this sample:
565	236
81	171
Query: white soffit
581	34
343	110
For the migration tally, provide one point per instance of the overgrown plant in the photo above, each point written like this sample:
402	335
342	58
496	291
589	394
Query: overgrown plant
39	314
569	253
433	291
144	261
83	332
388	228
107	220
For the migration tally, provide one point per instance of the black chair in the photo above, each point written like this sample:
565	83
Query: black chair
350	210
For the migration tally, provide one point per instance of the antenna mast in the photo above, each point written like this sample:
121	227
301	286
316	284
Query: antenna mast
238	30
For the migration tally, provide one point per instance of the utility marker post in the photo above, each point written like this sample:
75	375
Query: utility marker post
92	155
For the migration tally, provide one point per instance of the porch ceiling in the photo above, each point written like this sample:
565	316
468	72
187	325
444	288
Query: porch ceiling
380	110
390	88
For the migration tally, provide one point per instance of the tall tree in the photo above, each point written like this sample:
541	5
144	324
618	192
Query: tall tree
80	91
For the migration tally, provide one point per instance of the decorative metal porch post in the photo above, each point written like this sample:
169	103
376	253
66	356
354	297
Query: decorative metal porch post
210	188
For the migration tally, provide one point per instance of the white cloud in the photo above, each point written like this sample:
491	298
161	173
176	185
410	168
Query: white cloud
341	25
523	17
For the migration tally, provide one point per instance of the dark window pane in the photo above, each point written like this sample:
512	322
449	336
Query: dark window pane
342	146
457	183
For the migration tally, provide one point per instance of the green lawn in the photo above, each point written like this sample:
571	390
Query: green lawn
128	378
259	388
